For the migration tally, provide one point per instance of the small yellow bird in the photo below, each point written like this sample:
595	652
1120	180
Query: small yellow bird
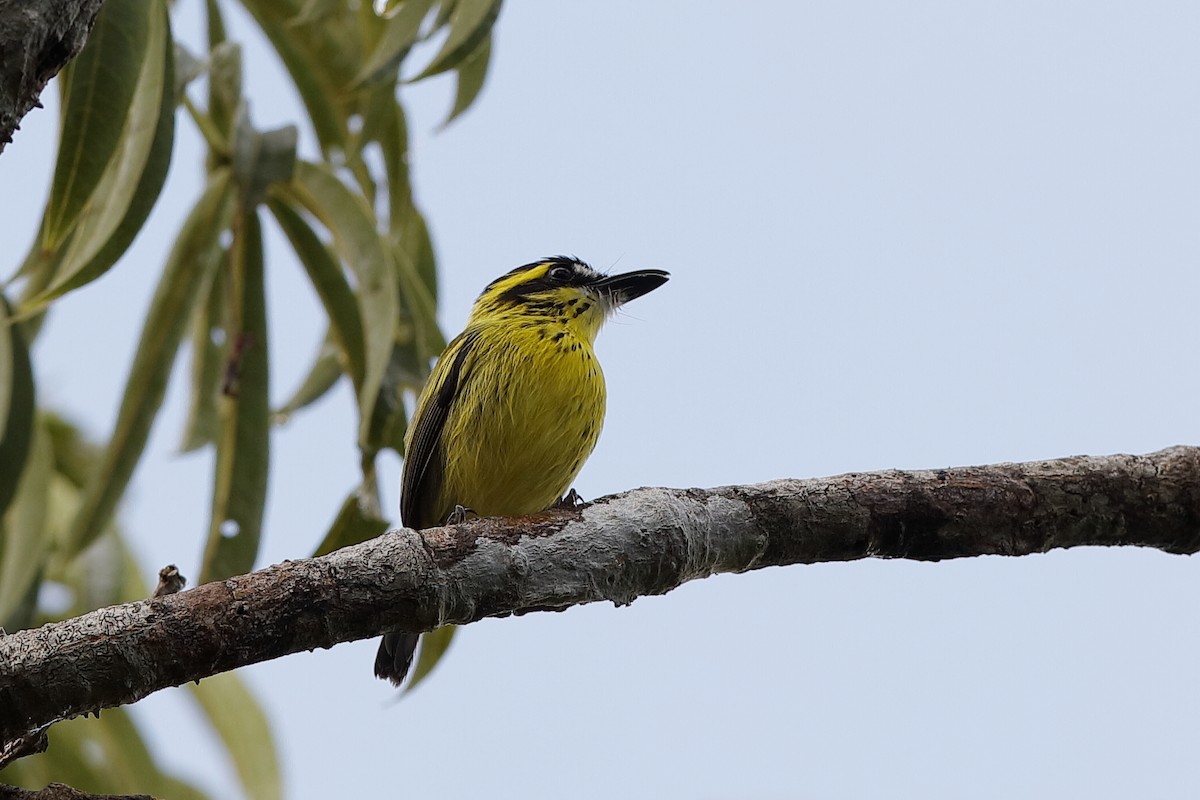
513	407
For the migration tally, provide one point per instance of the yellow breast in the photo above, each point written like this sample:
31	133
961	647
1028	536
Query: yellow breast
529	414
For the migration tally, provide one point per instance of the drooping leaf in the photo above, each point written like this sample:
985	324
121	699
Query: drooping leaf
418	246
104	79
243	449
471	75
105	755
128	764
16	404
214	24
321	377
75	458
359	244
314	11
419	302
393	141
354	524
400	33
244	731
132	180
301	54
331	285
24	542
195	255
470	23
209	339
433	646
224	86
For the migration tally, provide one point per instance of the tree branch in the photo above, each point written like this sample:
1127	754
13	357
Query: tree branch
644	542
59	791
37	39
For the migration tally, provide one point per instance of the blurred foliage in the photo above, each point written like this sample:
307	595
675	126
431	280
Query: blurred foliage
349	215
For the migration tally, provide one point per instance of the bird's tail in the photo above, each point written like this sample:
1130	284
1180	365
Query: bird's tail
395	656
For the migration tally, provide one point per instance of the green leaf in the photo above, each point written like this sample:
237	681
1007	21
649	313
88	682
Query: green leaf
470	23
104	80
24	542
354	524
128	764
107	223
419	302
194	256
261	159
215	26
209	337
471	75
321	377
243	449
105	755
224	86
315	11
302	51
330	282
75	458
418	246
393	141
244	731
16	404
400	32
433	646
357	241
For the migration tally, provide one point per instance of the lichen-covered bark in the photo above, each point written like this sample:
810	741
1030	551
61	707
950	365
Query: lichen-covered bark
647	541
58	791
37	39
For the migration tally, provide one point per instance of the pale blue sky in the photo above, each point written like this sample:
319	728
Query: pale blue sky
900	236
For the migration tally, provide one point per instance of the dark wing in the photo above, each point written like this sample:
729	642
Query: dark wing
421	480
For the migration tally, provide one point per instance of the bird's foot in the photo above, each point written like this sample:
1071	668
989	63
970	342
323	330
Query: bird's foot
461	514
571	500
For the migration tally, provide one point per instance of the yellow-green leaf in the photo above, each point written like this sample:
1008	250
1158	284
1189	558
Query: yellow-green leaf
16	404
471	75
330	282
195	255
419	302
400	32
24	542
243	449
358	243
433	646
133	177
385	124
224	86
244	731
319	90
470	23
104	79
321	377
105	755
209	340
354	524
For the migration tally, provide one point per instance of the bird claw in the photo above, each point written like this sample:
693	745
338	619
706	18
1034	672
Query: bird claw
571	500
461	514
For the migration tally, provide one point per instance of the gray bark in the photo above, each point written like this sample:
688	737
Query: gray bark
37	39
643	542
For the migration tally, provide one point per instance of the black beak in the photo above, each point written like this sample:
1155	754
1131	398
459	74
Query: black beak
629	285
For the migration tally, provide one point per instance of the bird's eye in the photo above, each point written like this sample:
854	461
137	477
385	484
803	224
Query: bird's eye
560	274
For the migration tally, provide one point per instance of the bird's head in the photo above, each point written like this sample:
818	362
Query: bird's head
565	291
